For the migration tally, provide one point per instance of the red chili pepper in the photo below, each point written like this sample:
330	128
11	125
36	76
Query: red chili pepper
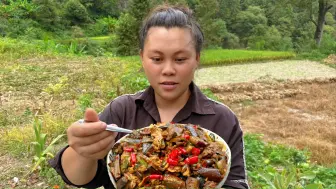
128	149
182	150
187	137
174	154
172	162
195	127
156	177
195	151
133	158
191	160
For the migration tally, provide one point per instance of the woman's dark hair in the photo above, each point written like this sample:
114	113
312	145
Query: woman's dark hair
169	17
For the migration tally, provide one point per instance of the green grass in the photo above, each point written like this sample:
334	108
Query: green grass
97	39
277	162
225	57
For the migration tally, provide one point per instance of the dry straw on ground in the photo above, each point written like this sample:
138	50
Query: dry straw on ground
331	59
296	113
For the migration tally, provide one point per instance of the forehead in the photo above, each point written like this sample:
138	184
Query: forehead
169	39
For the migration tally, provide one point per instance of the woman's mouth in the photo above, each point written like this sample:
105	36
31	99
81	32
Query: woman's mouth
168	85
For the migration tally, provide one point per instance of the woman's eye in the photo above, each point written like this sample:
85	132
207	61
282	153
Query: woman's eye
156	59
180	60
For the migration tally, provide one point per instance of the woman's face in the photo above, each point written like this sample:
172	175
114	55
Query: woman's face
169	59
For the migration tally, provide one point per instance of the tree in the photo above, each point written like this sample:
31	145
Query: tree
76	12
139	9
102	8
319	8
249	22
126	38
177	2
324	7
214	28
228	11
46	14
127	29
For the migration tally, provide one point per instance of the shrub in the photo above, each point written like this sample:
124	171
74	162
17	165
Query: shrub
4	26
272	40
76	12
328	44
126	38
102	26
34	33
18	27
231	41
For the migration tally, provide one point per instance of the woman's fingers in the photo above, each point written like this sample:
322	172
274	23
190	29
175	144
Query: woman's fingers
90	139
86	129
103	153
96	147
90	115
85	141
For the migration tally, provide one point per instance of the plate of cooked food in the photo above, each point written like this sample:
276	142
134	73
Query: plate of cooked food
169	156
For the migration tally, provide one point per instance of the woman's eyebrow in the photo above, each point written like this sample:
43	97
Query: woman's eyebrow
155	51
182	51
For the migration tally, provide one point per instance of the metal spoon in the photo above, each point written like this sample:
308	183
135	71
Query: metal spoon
112	127
115	128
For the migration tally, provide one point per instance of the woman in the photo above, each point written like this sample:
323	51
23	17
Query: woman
170	46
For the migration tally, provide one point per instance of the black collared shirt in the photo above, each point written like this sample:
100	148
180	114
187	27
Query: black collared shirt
139	110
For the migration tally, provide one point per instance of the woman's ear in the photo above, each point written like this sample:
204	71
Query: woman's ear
198	58
141	55
141	58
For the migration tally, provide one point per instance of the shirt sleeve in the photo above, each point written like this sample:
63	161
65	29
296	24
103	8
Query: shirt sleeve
101	178
237	177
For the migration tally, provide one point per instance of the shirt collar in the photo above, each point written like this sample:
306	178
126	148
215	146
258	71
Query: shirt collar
197	103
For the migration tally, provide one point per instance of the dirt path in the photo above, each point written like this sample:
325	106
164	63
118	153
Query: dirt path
296	113
290	69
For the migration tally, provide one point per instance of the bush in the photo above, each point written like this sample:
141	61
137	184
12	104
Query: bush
4	26
102	26
18	27
329	30
328	44
126	38
34	33
76	12
312	52
231	41
77	32
272	40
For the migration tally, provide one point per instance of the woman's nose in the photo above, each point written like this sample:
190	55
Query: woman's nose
168	68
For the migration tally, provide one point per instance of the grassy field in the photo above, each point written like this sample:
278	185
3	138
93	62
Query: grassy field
40	82
225	57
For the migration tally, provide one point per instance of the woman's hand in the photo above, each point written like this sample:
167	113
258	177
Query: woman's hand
90	139
88	142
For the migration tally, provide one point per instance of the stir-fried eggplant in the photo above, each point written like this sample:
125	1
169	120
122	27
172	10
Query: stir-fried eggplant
211	174
171	181
115	167
122	182
209	185
173	132
192	183
192	130
170	156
